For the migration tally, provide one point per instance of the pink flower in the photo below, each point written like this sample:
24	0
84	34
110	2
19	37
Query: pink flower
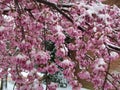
52	86
84	75
41	57
71	46
100	65
52	69
62	51
67	73
75	85
84	33
66	63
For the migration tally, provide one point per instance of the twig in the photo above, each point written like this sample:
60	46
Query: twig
30	13
112	84
106	73
106	76
14	86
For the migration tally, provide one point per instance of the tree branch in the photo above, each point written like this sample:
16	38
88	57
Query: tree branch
55	6
106	75
112	47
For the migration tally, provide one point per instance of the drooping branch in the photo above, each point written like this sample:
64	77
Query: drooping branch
112	47
106	75
65	5
55	6
112	84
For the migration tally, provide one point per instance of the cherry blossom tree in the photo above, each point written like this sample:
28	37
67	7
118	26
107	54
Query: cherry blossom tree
80	38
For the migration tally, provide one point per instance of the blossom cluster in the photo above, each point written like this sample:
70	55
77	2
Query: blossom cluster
85	34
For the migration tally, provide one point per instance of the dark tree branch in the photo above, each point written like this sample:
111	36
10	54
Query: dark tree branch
14	86
112	47
55	6
17	7
112	77
81	28
30	13
112	84
1	86
106	75
50	4
65	5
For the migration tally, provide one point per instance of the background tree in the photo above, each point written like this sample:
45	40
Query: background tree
78	38
112	2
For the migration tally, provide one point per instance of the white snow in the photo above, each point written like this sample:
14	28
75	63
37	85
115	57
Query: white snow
1	28
25	74
94	8
8	18
99	65
11	85
19	56
114	54
59	28
101	61
94	29
103	46
67	88
28	62
66	61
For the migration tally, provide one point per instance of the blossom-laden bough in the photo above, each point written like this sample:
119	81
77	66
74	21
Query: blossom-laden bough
85	39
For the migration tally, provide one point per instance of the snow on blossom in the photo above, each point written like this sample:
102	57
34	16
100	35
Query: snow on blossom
114	55
59	28
53	1
82	33
60	38
72	32
25	74
103	46
37	85
62	51
19	59
8	18
100	65
84	75
20	56
66	63
93	9
2	28
28	62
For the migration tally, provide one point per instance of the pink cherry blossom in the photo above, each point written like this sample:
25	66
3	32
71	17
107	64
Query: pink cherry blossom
81	39
52	69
